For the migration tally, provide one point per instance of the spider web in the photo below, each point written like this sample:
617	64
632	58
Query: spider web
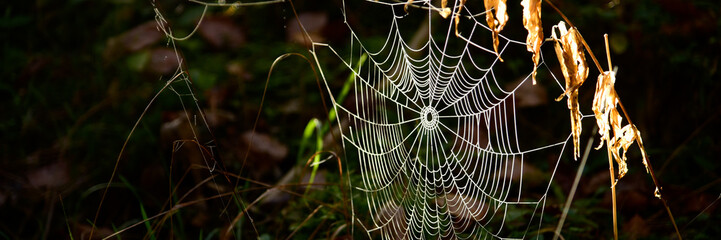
435	131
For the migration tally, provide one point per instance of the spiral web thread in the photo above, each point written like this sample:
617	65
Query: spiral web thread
436	136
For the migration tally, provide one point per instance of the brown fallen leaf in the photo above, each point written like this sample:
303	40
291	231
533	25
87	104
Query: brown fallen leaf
392	221
532	23
313	23
162	61
54	175
133	40
636	228
496	20
573	65
464	209
221	32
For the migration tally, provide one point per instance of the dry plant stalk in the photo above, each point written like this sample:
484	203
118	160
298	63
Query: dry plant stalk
532	23
573	65
496	20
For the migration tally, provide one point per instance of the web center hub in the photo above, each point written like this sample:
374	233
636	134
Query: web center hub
429	118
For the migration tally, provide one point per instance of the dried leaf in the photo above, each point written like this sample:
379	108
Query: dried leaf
314	24
458	14
532	23
445	11
222	32
573	65
405	7
496	21
51	176
608	118
162	61
604	102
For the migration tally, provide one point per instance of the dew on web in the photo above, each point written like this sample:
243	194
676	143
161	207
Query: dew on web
435	131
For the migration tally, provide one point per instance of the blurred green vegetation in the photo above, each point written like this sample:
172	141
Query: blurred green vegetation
78	74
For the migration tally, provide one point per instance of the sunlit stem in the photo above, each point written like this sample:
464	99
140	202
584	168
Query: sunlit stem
608	53
613	193
574	187
610	161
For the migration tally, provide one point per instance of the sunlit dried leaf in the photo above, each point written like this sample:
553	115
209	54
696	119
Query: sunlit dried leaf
532	23
444	11
604	102
609	119
496	20
458	15
405	7
573	65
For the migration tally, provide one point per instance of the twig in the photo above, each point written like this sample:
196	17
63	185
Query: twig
303	222
610	162
613	193
579	172
702	211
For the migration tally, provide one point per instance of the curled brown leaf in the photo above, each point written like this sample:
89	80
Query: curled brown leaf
444	11
532	23
496	20
604	102
573	65
405	7
457	19
609	121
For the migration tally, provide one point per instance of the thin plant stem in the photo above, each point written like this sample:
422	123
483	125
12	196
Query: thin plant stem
610	162
579	172
122	149
613	193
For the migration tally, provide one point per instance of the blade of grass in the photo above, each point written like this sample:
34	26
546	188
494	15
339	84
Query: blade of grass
347	86
307	133
125	144
579	172
62	205
142	207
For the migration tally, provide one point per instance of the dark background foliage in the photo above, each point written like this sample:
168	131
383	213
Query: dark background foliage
77	74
